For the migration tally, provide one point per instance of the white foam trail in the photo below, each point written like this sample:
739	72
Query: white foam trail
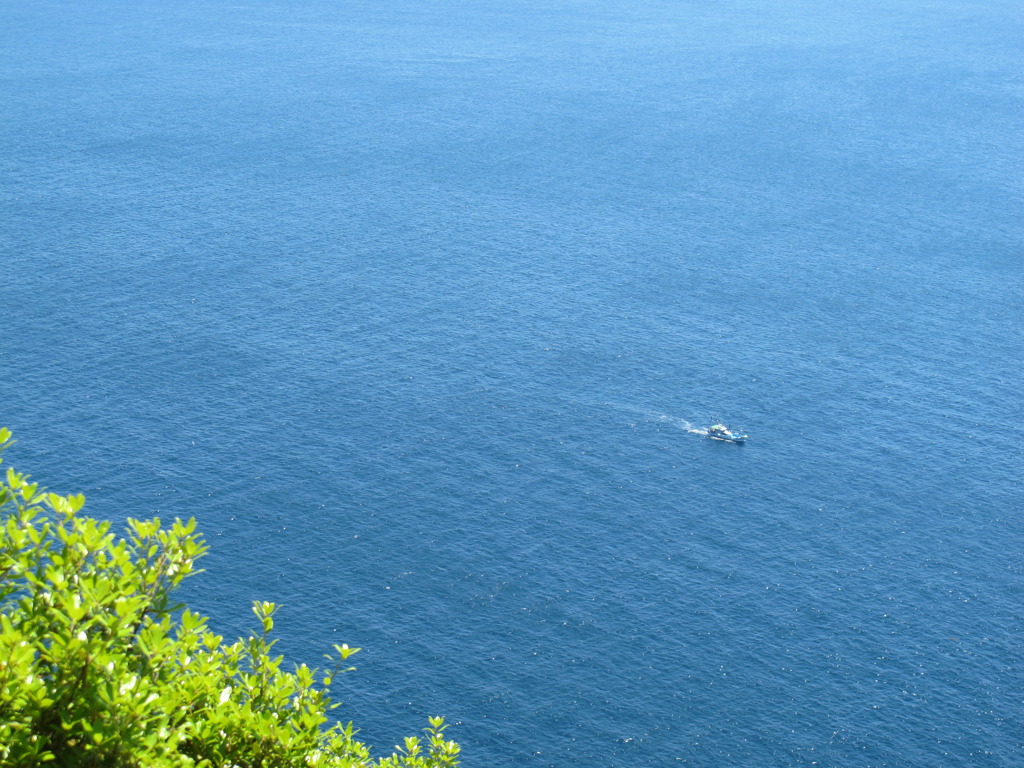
656	416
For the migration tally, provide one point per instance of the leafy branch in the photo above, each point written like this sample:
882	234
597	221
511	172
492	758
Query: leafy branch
99	667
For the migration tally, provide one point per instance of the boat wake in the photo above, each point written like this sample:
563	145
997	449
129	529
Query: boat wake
656	417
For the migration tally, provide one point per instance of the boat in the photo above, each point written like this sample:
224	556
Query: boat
719	431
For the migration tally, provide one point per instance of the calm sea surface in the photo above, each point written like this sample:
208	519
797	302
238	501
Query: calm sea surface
419	307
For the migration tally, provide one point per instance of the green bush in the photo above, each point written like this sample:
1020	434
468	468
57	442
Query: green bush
99	667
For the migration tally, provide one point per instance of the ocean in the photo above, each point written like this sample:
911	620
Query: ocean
420	309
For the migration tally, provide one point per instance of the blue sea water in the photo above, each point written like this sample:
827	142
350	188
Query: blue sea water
419	307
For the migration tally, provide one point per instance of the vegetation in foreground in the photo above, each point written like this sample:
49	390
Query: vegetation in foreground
99	667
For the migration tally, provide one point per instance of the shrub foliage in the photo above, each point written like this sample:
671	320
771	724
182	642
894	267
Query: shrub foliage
99	667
